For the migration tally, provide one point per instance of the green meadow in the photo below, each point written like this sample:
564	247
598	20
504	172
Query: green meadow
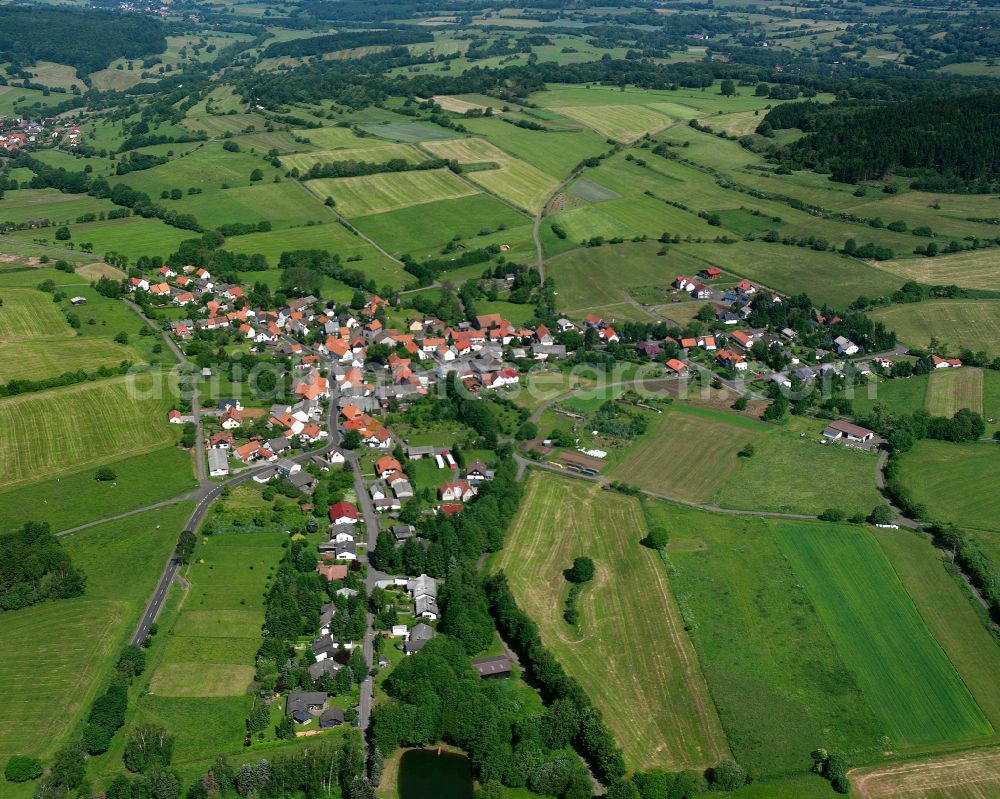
902	671
765	650
58	654
955	482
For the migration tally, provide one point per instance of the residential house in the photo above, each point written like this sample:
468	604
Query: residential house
458	491
844	346
420	634
301	704
852	432
343	513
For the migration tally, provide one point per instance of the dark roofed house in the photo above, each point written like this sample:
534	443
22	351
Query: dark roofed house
403	531
328	666
420	634
302	481
494	667
331	717
301	702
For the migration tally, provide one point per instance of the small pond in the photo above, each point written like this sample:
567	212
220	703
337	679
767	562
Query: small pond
425	774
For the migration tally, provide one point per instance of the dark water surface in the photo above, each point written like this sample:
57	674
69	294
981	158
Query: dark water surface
424	774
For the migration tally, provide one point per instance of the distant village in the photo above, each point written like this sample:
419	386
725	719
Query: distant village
18	133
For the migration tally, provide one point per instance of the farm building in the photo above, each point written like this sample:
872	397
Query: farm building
852	432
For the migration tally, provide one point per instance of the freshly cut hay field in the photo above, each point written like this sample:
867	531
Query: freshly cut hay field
624	123
949	390
955	482
99	269
54	654
55	75
555	152
67	429
970	775
792	474
33	360
459	106
373	194
764	649
377	150
949	613
742	123
27	314
516	181
974	269
906	677
630	651
959	324
687	456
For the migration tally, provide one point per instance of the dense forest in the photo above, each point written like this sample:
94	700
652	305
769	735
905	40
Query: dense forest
947	143
85	39
34	566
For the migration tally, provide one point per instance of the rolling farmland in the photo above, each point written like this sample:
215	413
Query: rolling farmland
958	324
653	696
949	390
30	314
792	474
85	425
687	456
373	194
955	482
945	607
515	180
972	269
377	151
27	360
624	123
902	671
765	651
57	654
210	652
971	775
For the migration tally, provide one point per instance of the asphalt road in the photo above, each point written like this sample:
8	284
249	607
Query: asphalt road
153	608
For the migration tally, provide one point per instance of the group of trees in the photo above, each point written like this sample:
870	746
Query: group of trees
585	728
35	567
438	695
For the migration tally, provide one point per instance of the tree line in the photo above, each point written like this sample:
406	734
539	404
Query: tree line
347	40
